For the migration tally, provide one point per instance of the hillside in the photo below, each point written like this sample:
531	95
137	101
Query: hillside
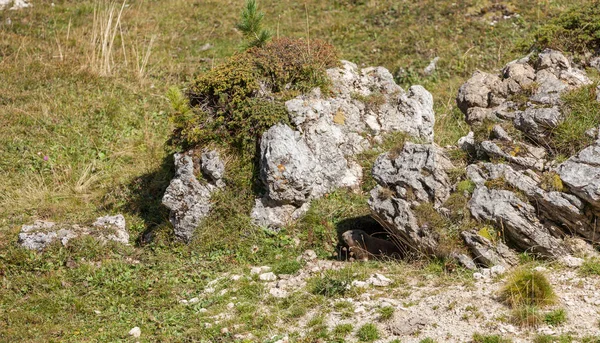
92	96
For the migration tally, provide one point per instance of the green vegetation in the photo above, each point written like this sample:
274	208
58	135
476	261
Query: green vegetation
556	317
527	287
564	338
331	284
582	113
526	315
386	313
251	25
342	330
367	333
590	266
84	130
479	338
576	30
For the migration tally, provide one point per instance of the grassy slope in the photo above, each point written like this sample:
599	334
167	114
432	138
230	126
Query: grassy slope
104	138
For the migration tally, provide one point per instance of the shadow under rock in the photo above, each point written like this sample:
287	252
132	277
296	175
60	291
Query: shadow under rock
145	198
364	223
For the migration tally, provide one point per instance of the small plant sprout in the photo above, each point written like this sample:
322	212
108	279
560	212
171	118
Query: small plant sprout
251	25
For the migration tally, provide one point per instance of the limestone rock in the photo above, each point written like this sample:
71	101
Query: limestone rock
581	173
415	175
186	197
41	233
487	253
16	4
561	210
518	220
297	166
418	171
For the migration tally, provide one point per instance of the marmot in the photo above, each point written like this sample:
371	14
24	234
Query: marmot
364	246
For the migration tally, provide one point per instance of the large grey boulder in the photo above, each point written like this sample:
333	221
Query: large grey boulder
581	173
41	234
319	156
188	198
517	219
407	179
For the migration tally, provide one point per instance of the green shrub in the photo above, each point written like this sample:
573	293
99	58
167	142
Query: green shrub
287	267
575	30
235	102
527	287
367	333
251	25
555	317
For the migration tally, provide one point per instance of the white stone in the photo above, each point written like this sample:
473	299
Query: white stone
497	270
278	293
267	277
193	301
379	280
359	284
230	305
571	261
135	332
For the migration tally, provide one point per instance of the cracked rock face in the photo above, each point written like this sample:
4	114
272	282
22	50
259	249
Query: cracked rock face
486	96
297	166
188	198
581	173
41	233
518	218
407	179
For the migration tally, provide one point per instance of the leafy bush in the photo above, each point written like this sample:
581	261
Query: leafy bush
527	287
234	103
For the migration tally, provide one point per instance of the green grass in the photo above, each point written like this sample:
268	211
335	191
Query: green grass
480	338
556	317
590	266
527	287
367	333
565	338
386	313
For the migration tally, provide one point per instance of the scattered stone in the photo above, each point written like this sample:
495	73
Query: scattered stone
136	332
570	261
16	4
193	301
268	277
43	233
278	293
378	280
431	66
230	306
309	255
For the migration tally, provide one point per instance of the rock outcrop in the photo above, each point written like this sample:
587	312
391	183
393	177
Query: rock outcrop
406	179
41	233
318	157
187	197
529	202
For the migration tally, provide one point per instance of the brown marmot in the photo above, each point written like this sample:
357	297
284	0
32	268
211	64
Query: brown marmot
364	246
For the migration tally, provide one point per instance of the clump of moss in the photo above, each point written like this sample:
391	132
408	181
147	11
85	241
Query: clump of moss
576	30
551	182
526	287
234	103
